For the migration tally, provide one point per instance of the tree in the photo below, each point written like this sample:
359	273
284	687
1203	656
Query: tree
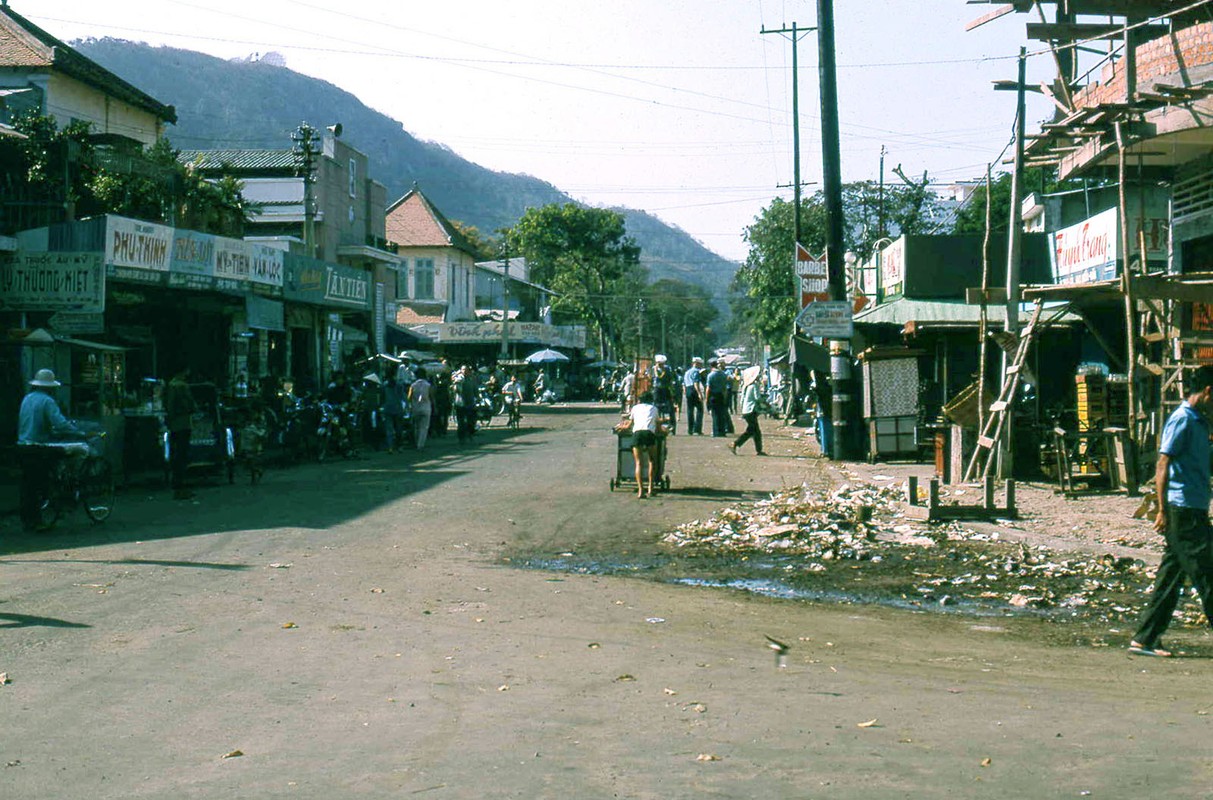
971	218
587	258
766	290
682	314
486	248
57	174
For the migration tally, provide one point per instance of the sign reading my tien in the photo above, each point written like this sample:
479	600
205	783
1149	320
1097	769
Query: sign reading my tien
53	282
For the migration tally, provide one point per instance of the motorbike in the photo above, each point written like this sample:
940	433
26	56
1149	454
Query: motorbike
334	431
488	406
298	432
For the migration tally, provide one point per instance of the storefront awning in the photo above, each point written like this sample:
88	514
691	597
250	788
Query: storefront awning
937	313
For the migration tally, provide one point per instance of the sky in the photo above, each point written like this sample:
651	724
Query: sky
682	108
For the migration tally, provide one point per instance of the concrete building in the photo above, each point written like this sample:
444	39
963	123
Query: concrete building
41	73
438	266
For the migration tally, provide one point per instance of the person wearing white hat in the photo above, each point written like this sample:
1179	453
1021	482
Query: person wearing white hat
750	381
37	422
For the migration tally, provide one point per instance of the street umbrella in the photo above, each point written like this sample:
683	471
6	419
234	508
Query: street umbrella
546	357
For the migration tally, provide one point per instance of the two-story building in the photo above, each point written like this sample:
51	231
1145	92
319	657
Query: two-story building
438	264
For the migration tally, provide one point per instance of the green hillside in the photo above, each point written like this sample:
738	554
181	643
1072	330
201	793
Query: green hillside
233	104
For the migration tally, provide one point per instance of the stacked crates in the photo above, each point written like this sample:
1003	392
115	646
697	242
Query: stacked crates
1092	400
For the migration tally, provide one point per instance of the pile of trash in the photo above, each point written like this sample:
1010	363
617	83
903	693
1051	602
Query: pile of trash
864	526
843	524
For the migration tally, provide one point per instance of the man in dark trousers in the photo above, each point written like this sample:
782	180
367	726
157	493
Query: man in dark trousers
37	423
179	411
717	399
692	386
1181	482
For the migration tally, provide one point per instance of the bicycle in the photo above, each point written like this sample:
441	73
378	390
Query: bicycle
514	407
80	476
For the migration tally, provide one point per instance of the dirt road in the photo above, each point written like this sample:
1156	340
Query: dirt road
363	630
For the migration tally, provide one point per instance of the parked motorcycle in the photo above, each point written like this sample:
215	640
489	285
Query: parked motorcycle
334	431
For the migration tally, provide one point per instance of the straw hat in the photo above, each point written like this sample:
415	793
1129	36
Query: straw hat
750	374
660	359
45	378
697	360
372	377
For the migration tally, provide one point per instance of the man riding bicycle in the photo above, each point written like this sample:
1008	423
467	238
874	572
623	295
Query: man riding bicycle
512	394
37	423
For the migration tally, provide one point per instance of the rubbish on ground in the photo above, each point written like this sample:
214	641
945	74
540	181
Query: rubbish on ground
233	754
707	757
872	723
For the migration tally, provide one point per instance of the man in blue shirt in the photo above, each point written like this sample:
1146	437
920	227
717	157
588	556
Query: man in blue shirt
692	386
1181	482
37	422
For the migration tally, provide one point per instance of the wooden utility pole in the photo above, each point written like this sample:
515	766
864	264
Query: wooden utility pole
794	34
983	325
840	349
305	153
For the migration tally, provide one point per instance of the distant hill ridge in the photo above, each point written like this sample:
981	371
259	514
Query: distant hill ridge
256	103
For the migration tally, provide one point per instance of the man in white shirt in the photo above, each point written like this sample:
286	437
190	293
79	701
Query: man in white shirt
646	444
692	387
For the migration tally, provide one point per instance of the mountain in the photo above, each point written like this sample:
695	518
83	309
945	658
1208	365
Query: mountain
257	102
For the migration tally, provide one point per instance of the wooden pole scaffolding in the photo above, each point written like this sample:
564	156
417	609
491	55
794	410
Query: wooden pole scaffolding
983	325
1126	284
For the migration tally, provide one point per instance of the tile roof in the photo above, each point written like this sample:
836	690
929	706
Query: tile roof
239	159
24	44
407	315
413	221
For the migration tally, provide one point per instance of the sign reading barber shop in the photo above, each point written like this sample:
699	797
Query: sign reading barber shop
52	282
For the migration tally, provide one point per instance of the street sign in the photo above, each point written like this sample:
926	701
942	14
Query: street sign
827	320
814	275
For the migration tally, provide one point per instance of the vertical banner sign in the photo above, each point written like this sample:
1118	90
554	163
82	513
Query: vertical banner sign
379	320
813	275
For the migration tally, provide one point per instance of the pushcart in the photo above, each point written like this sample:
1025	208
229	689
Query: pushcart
625	466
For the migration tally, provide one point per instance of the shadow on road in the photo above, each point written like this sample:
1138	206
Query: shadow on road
27	621
311	495
706	493
151	562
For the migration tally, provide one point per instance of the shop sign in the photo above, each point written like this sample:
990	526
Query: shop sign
137	251
233	262
893	268
266	269
309	280
572	336
827	320
193	262
814	275
77	323
52	282
1086	252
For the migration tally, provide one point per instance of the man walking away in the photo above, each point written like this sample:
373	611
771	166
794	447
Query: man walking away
37	421
749	410
692	387
1181	482
421	401
179	411
717	399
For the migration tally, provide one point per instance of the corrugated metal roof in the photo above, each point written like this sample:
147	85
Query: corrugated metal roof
238	159
955	312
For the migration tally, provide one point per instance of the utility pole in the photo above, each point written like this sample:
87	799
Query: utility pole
505	298
305	153
796	35
840	349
